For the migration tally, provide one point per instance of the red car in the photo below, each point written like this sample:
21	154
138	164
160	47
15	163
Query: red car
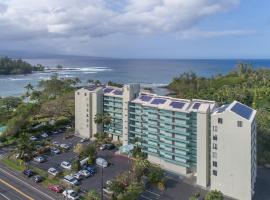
56	188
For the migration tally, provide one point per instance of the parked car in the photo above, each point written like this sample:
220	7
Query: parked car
44	135
83	140
53	171
85	173
71	194
78	176
66	165
56	188
65	146
37	178
92	170
55	150
28	172
101	162
39	159
55	143
107	146
33	138
71	180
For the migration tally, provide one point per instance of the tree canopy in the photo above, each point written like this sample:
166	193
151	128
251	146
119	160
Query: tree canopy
10	66
245	84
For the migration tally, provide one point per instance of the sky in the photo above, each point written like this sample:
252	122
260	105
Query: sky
137	28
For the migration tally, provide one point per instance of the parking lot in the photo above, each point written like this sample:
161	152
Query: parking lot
117	163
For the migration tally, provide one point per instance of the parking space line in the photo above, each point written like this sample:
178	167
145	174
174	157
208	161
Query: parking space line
146	197
153	193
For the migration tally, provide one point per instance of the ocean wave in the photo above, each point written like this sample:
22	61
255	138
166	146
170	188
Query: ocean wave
79	69
18	79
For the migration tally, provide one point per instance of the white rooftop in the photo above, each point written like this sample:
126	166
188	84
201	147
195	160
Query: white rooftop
174	104
238	108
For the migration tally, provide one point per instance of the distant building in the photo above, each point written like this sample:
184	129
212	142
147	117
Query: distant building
215	144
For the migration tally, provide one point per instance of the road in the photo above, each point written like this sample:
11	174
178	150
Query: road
15	187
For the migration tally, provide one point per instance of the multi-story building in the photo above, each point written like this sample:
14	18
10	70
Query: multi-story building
233	150
193	137
88	102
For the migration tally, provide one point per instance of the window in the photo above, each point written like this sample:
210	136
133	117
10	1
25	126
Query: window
215	137
220	120
214	146
215	163
215	172
239	124
215	128
214	154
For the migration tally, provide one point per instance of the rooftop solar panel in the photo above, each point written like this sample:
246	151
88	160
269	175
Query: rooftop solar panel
196	106
118	92
223	108
242	110
177	104
108	90
145	98
158	101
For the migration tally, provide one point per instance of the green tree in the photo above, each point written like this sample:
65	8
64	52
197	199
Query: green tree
76	165
156	174
29	87
24	146
91	153
214	195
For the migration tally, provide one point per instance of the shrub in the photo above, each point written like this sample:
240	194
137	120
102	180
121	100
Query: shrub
214	195
156	174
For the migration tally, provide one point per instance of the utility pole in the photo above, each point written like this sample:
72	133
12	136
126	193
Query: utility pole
102	181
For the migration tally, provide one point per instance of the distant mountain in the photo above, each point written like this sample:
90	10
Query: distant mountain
29	55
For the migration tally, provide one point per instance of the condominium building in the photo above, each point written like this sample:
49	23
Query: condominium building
233	150
188	137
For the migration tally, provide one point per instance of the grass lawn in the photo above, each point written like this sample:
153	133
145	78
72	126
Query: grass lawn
12	164
19	167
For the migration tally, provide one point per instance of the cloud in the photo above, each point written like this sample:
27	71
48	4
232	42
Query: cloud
97	18
194	34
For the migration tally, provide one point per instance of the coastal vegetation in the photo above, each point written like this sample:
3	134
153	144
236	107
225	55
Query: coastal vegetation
10	66
245	84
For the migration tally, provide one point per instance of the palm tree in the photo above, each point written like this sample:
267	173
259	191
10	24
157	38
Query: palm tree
29	87
24	146
103	118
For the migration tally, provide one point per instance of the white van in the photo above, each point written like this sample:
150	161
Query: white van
101	162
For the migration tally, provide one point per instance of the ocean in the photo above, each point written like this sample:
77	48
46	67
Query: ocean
149	72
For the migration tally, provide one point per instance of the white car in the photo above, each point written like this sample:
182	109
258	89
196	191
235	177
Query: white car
33	138
71	194
78	176
83	140
71	180
39	159
54	150
85	173
66	165
44	135
65	146
101	162
53	171
56	144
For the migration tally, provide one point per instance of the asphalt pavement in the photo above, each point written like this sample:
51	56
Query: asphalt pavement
13	186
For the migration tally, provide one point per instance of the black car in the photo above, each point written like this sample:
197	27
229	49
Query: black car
37	179
28	172
107	146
